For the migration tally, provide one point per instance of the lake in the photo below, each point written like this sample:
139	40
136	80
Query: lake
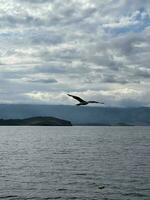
83	163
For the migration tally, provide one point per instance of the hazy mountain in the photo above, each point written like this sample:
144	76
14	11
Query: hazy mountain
79	115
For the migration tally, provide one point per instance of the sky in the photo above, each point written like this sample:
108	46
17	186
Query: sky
99	50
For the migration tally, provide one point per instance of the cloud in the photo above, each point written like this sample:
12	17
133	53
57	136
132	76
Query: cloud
45	81
90	48
36	1
46	97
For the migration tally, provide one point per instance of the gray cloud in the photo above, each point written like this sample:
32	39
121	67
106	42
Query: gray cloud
143	73
36	1
14	21
45	81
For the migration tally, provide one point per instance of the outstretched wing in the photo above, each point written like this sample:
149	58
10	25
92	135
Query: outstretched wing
77	98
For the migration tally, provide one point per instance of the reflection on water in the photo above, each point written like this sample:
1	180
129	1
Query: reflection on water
83	163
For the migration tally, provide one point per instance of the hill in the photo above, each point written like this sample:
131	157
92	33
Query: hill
82	115
35	121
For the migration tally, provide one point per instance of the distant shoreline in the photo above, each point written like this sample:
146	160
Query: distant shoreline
35	121
52	121
75	115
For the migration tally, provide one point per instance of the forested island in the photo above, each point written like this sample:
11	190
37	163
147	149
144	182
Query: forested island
35	121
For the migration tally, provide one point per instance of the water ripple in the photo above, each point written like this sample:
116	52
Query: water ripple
96	163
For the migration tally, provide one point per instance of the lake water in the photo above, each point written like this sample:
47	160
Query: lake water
83	163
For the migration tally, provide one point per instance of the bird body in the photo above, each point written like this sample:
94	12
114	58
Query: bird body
83	102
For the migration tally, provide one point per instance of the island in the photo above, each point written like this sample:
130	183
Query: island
35	121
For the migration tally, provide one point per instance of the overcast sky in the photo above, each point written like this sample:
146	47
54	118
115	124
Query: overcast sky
97	49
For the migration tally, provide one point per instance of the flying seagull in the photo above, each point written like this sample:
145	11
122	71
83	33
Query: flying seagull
83	102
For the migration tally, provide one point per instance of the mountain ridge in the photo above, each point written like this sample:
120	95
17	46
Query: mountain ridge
79	115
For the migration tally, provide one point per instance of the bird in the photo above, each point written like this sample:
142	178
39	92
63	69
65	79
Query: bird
83	102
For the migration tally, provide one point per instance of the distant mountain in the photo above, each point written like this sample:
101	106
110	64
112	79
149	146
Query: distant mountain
35	121
79	115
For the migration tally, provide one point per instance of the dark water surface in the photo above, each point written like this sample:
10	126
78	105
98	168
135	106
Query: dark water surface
83	163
